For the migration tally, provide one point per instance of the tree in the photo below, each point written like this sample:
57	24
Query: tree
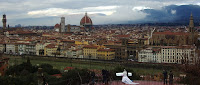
18	69
192	73
49	69
28	61
75	76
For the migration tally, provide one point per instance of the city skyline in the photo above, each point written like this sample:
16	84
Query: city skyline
99	42
48	12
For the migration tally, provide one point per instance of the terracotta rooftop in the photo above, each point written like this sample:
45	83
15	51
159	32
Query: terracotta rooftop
86	20
57	26
67	41
51	46
68	68
122	36
106	50
171	33
181	47
90	46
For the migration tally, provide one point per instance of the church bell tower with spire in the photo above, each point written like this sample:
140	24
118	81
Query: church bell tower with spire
191	24
191	29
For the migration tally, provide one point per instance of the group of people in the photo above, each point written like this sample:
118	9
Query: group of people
105	75
165	77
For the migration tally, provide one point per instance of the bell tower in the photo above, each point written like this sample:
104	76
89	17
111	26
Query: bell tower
191	24
4	22
62	24
191	29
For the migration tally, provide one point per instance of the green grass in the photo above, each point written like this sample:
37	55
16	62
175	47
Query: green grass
60	64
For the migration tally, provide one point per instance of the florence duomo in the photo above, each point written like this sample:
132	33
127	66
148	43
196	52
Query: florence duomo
86	25
100	42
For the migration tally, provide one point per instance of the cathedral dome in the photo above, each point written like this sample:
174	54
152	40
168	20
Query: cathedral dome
57	26
86	20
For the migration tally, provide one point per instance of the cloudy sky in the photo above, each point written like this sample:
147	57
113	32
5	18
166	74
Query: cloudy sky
48	12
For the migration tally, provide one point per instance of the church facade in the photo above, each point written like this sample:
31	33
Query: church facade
168	38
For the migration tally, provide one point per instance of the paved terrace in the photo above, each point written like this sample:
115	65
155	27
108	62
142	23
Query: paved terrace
140	83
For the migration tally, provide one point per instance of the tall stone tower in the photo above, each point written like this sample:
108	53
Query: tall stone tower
191	24
4	22
68	28
191	29
62	23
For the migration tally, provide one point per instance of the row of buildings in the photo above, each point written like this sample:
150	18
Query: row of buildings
154	44
74	49
186	54
172	46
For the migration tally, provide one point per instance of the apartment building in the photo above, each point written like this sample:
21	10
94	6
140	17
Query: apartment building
169	54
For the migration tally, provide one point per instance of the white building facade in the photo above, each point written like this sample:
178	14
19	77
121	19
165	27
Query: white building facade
150	55
22	48
179	54
40	47
30	49
169	54
10	48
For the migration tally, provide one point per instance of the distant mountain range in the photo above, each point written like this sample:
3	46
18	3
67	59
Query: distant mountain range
171	14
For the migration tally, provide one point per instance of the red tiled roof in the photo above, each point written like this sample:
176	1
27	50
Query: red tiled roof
2	42
82	28
171	33
57	26
21	43
182	47
68	68
106	50
68	34
89	46
57	75
21	32
122	36
142	38
156	50
117	41
67	41
51	46
86	20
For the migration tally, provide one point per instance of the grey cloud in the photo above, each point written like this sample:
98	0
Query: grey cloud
17	10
